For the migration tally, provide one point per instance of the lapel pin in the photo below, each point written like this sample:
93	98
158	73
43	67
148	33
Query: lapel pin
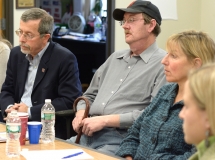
43	70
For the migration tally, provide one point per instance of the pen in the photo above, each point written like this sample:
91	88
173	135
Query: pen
73	155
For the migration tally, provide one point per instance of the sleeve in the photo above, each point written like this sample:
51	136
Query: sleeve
92	90
129	144
4	55
7	91
164	156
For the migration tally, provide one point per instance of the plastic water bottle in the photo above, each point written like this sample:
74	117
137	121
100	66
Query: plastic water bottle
63	30
48	122
98	28
13	131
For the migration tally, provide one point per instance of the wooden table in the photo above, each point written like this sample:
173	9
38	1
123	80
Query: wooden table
58	144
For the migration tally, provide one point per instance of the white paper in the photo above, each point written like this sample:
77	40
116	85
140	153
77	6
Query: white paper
168	8
55	154
3	137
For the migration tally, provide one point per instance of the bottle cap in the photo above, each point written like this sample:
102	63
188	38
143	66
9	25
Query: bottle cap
47	100
14	111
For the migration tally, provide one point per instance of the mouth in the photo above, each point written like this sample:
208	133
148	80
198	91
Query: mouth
127	33
166	71
24	46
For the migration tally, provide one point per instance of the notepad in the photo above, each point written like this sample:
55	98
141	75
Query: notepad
55	154
3	137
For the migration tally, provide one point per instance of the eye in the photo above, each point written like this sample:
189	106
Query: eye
130	20
173	55
30	35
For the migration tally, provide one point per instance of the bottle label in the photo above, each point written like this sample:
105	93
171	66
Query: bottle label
13	128
48	116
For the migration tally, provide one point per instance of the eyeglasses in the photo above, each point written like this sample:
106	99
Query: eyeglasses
129	21
27	36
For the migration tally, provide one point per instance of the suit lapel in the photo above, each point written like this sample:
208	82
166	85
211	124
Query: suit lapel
43	66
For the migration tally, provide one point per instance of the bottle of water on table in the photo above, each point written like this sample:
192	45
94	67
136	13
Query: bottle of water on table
48	122
13	131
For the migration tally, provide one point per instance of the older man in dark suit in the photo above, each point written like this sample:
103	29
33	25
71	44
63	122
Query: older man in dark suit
39	69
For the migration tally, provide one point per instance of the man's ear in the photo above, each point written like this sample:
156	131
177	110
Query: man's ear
46	37
197	62
152	25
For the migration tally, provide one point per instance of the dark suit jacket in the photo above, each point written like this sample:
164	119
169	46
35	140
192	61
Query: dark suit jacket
57	79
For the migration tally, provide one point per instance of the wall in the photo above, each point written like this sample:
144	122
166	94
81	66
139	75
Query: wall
17	15
207	17
188	18
192	14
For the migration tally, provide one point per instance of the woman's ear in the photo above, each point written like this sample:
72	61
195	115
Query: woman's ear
197	62
207	124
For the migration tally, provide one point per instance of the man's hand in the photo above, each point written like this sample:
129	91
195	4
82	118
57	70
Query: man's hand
128	158
22	107
76	123
93	124
14	107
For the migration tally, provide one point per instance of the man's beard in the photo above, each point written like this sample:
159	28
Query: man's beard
26	51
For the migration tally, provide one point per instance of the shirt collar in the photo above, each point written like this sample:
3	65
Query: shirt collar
145	55
201	146
39	55
170	95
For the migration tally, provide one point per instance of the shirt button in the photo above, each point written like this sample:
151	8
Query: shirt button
121	80
103	104
153	140
112	92
129	67
164	118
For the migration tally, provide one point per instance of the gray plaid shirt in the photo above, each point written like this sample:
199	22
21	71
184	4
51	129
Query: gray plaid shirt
125	85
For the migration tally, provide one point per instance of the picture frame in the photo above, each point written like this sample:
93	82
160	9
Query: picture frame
24	4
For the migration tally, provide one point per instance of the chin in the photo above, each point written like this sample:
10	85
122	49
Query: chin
190	140
169	80
25	52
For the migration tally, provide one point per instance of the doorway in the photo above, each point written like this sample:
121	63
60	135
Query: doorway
7	19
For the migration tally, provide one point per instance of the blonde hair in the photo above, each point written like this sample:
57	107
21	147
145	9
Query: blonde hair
6	42
202	86
194	45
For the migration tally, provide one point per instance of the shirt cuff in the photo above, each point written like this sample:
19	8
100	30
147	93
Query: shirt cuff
29	112
126	120
9	106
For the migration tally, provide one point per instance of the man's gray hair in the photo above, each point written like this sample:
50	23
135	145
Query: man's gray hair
47	22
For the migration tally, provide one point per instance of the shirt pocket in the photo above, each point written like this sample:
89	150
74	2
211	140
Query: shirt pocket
136	93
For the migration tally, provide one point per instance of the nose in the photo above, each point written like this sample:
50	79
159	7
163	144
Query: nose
125	25
22	38
164	60
180	115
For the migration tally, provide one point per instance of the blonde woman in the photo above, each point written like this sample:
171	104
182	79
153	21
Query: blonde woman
5	47
158	133
198	113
